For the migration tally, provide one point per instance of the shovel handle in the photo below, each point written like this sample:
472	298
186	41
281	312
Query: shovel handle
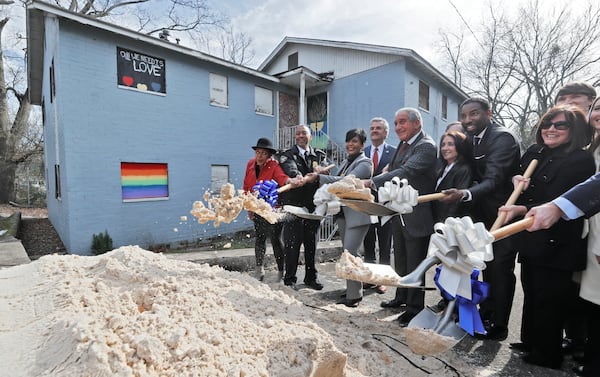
284	188
329	167
515	194
511	229
430	197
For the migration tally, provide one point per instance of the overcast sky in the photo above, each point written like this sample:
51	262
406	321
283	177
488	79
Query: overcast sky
413	24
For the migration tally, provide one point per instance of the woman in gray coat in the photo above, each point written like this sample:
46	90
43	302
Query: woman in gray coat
353	225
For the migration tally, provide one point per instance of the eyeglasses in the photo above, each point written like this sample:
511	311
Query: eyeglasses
561	126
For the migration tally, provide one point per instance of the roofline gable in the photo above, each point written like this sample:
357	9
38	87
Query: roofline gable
409	54
37	10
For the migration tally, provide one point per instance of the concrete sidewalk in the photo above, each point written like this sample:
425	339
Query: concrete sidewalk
243	260
12	252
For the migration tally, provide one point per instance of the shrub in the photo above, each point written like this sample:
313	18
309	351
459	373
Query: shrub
101	243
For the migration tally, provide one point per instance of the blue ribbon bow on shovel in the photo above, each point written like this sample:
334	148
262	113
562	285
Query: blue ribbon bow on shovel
267	190
468	315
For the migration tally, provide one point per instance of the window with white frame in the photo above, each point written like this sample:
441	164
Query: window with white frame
263	100
444	107
219	175
423	95
218	90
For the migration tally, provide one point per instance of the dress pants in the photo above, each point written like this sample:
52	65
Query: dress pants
297	232
500	274
262	230
352	239
383	235
409	252
544	310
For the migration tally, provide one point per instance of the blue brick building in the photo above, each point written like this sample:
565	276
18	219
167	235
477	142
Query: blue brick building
115	101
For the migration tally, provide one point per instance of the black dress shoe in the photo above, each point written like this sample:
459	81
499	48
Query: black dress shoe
314	285
494	332
521	347
350	302
290	284
392	304
405	318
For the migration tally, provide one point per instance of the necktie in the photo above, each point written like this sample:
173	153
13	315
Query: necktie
402	148
375	159
476	140
306	157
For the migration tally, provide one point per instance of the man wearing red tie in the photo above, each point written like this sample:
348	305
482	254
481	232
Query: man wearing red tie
414	160
381	153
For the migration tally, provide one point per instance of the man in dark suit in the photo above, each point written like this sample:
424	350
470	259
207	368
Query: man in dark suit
495	158
414	160
296	162
381	154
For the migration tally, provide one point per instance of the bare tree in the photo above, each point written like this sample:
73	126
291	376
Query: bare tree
20	137
519	62
236	47
228	44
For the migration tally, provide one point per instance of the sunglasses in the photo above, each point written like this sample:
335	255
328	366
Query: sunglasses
561	126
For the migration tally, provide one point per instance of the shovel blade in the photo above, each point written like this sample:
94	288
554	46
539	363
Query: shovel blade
370	208
428	319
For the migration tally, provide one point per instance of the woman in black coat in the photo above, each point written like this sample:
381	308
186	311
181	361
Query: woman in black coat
549	257
454	172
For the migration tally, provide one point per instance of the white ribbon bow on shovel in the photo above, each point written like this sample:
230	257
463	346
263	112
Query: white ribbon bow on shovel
397	195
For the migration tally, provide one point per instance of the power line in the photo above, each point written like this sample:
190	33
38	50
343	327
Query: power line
465	22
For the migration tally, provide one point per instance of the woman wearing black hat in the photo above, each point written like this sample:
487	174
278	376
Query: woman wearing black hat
264	168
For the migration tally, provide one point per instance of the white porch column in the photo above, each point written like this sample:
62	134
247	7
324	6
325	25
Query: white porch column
302	115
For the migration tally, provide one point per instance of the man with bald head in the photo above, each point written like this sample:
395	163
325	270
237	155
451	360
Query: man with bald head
296	162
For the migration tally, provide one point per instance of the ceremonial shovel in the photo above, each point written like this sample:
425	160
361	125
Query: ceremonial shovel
442	323
378	209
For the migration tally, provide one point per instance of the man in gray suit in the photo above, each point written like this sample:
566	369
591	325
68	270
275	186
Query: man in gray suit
414	160
381	154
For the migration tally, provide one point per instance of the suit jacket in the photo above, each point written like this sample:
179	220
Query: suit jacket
586	196
495	162
417	165
460	176
560	246
293	164
362	168
384	159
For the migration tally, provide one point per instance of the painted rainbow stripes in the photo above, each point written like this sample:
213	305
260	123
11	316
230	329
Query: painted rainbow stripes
144	181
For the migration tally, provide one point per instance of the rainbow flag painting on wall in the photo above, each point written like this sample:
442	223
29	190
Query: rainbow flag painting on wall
144	181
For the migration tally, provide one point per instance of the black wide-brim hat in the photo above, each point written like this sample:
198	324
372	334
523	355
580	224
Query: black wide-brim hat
265	143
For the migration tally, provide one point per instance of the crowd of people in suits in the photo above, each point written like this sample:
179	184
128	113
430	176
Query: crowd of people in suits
477	165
